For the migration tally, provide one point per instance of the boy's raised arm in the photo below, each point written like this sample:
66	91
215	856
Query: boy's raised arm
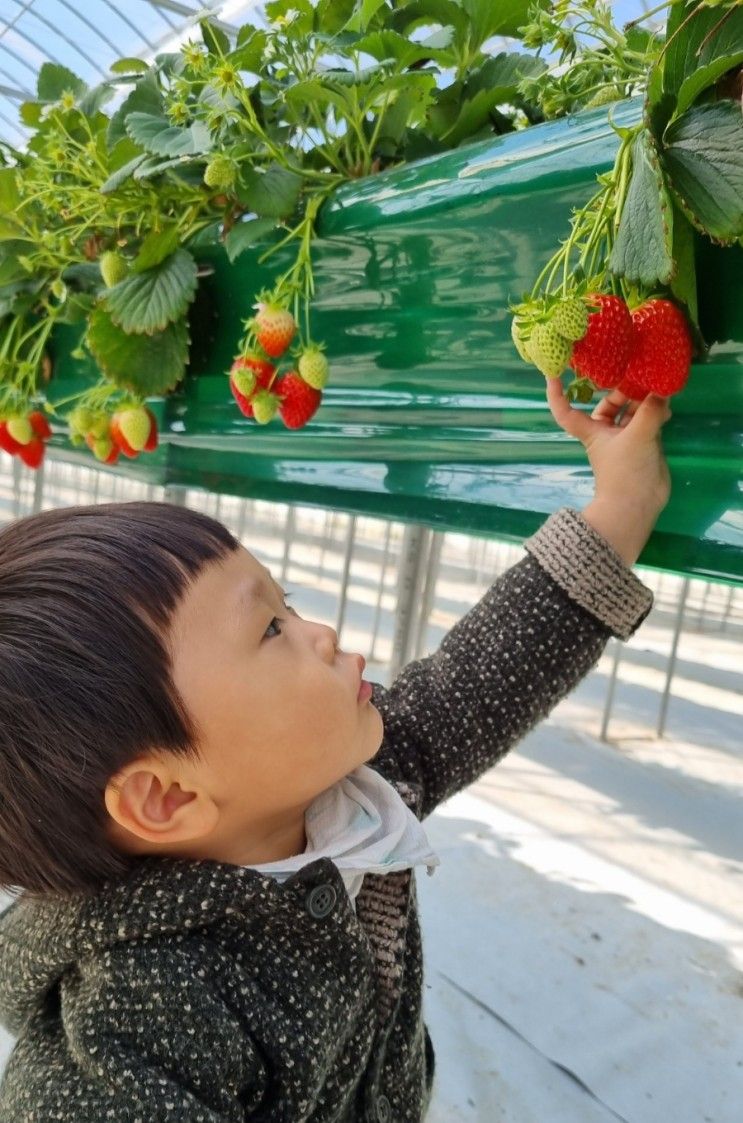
542	626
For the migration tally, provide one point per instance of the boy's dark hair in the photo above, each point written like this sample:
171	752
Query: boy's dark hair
86	597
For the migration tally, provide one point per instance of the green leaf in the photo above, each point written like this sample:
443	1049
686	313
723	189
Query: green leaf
161	138
55	80
158	245
153	166
122	174
144	98
694	46
502	18
129	66
270	194
77	308
250	51
143	364
215	40
316	92
684	283
92	100
30	113
704	159
145	302
246	234
363	14
384	45
9	194
8	229
446	13
644	244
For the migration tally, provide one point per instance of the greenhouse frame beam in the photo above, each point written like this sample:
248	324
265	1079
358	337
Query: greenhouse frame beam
11	91
182	10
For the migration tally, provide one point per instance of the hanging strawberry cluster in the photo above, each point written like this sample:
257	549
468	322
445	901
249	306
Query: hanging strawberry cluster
131	429
581	315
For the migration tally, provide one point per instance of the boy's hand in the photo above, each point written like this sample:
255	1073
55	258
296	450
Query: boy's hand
632	481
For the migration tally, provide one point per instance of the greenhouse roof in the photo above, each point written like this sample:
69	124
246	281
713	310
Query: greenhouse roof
88	35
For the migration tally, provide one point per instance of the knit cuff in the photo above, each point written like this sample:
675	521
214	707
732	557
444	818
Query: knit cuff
591	572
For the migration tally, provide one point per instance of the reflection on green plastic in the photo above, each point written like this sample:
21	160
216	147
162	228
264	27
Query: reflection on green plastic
430	416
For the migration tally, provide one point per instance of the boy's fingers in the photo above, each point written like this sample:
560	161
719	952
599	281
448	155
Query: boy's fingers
573	421
609	406
649	415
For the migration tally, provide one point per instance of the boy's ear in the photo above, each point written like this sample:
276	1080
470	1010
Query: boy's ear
149	802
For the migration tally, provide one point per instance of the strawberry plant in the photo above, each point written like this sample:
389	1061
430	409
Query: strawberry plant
629	257
242	141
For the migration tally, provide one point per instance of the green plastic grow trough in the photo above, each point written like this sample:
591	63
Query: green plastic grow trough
430	416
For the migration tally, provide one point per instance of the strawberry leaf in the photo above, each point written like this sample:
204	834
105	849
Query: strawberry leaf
270	194
158	245
159	137
144	98
142	364
643	248
55	80
245	234
704	160
145	302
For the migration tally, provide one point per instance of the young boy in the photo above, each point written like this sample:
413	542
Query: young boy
216	831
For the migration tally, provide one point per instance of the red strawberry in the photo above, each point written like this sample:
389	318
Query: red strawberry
8	443
603	352
40	425
32	454
632	389
274	328
243	403
662	348
299	400
118	438
151	443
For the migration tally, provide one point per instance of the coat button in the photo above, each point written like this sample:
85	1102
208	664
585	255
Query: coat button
384	1111
321	900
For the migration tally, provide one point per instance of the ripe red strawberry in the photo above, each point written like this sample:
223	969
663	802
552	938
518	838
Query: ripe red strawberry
603	352
103	448
632	389
40	425
32	453
8	443
662	348
274	328
299	400
116	435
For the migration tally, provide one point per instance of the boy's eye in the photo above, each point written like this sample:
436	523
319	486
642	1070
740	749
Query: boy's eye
277	619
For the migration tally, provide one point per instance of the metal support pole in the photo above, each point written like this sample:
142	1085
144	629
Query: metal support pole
175	493
350	537
380	593
38	490
433	564
289	526
16	488
610	689
410	581
672	658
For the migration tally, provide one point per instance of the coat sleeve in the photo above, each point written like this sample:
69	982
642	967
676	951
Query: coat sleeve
537	631
135	1047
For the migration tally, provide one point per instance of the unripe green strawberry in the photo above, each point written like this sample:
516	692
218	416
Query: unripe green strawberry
265	404
77	439
244	380
570	319
603	97
20	429
99	425
80	420
519	342
313	367
113	268
220	172
549	350
102	448
135	426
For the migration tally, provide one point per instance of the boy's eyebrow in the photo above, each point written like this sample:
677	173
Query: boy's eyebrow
249	591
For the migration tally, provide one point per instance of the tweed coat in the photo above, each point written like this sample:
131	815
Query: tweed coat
195	991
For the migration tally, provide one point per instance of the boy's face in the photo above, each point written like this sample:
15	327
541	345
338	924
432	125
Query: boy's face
277	706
